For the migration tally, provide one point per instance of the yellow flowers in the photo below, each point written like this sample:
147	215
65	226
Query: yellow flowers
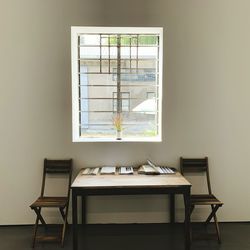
117	121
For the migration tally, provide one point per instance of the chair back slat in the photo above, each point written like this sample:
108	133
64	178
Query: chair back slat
57	166
194	165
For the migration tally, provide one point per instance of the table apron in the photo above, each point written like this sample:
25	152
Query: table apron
130	191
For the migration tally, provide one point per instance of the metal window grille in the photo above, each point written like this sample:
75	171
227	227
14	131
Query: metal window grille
115	73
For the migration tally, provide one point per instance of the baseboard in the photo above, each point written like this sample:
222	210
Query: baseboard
150	223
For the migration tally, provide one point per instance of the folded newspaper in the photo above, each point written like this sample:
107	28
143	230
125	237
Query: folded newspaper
153	169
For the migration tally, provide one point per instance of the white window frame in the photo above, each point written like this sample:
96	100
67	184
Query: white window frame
75	31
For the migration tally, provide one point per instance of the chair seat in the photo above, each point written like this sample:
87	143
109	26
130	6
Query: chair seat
60	202
204	199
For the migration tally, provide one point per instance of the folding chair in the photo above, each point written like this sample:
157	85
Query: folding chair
52	167
199	166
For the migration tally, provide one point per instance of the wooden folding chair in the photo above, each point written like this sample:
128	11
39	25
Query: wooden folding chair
199	166
53	167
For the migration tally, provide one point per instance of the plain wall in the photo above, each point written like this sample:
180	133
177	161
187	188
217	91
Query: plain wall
206	101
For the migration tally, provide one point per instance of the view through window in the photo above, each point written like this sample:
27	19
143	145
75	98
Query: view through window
116	83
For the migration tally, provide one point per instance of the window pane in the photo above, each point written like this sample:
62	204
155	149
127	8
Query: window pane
136	75
89	40
125	101
148	40
140	125
89	53
109	52
113	40
147	52
104	39
150	95
98	105
105	66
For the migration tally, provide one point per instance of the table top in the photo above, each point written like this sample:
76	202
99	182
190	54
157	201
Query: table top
126	181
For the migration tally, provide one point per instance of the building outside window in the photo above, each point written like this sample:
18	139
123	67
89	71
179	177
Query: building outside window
125	101
116	72
150	95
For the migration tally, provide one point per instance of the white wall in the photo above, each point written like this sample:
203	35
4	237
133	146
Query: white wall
205	107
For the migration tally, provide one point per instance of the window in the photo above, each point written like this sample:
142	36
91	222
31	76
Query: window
116	77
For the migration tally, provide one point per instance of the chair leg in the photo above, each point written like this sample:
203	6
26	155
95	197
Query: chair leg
39	216
65	223
214	210
213	215
191	232
35	230
216	226
63	215
191	209
217	229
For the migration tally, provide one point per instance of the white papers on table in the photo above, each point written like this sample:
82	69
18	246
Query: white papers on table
164	170
126	170
90	171
108	170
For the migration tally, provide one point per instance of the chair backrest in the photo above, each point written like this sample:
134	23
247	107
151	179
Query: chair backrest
196	165
55	167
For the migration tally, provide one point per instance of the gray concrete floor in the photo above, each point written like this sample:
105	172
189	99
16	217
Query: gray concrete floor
235	236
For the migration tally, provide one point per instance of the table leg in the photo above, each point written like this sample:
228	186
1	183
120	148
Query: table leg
74	222
187	219
84	210
172	208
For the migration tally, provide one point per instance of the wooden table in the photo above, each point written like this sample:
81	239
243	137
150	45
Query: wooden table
136	184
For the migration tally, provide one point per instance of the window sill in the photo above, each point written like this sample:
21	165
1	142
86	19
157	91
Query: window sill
145	139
